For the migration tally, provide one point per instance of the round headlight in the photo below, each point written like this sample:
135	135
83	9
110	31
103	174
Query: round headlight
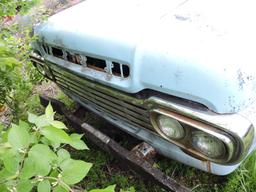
208	145
170	127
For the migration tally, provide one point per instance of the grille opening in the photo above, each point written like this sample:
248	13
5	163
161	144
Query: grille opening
37	52
57	52
116	70
126	70
111	67
45	48
73	58
97	64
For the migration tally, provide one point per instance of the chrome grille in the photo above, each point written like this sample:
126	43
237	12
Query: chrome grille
120	106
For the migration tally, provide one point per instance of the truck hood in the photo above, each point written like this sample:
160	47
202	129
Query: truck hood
193	49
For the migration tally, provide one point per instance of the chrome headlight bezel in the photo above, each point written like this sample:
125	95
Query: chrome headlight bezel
233	130
192	125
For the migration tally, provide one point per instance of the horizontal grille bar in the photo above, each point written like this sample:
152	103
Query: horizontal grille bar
128	110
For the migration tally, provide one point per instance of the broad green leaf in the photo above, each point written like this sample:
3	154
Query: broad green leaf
24	125
25	186
55	134
59	189
58	124
33	138
77	143
76	136
32	118
3	188
110	188
4	136
54	173
131	189
18	137
42	156
55	144
45	141
63	155
4	147
73	171
42	121
29	169
6	175
49	114
44	186
11	161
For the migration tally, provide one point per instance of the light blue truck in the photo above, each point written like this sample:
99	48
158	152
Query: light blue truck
178	74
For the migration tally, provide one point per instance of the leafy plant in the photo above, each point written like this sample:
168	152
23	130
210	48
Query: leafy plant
8	72
32	155
11	7
16	71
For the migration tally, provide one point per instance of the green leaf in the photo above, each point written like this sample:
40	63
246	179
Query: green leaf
76	136
77	143
63	155
110	188
42	156
11	161
24	125
58	124
32	118
3	188
45	141
4	147
33	138
1	127
49	114
44	186
29	169
55	134
25	186
59	189
73	171
131	189
6	175
42	121
18	137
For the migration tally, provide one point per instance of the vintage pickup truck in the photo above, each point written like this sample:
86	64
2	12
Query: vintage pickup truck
178	74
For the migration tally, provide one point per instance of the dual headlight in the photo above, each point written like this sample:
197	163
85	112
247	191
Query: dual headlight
206	144
200	139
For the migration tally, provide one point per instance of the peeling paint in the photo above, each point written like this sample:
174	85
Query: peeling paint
182	18
240	79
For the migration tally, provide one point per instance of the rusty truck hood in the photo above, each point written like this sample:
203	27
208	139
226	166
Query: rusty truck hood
193	49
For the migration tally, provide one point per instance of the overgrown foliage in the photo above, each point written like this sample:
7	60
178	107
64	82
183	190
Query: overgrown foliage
11	7
8	73
32	155
16	72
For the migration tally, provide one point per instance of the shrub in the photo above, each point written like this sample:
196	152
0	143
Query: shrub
32	155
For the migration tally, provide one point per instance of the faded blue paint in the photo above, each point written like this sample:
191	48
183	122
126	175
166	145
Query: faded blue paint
190	49
194	49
